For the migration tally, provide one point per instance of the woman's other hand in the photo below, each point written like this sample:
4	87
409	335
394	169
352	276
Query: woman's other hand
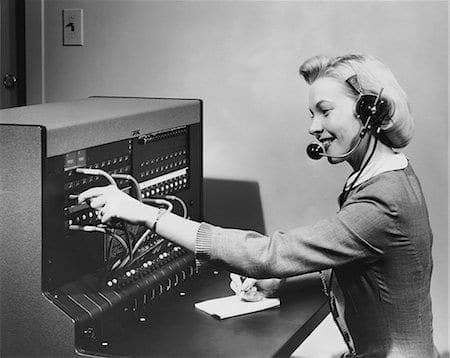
251	289
111	202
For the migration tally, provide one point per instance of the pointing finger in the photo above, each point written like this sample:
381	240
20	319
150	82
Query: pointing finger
93	193
90	194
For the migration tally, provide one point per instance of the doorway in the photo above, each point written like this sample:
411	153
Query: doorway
12	56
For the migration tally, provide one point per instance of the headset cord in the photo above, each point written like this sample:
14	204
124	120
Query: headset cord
345	192
335	314
327	287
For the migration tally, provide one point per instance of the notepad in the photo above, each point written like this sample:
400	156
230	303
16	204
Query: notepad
232	306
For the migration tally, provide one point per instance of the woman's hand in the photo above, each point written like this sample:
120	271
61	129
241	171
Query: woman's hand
251	289
111	202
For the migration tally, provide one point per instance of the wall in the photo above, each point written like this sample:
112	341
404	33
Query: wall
242	58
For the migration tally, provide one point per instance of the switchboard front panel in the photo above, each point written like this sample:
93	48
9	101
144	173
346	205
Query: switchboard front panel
93	276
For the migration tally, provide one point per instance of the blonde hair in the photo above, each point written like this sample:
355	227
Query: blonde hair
397	128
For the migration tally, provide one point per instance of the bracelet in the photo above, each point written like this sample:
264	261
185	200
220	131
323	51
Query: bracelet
161	212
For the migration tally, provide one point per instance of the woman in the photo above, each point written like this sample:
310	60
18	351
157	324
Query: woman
378	244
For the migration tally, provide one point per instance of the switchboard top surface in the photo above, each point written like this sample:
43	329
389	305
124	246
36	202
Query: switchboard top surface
93	109
84	123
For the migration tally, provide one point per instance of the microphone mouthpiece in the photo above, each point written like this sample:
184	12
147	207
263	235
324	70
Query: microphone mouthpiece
314	151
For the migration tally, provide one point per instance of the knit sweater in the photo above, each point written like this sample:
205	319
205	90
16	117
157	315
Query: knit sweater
379	247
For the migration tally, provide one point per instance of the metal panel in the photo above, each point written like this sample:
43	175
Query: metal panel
30	324
98	120
34	323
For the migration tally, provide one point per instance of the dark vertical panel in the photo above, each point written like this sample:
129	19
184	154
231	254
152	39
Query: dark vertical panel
233	203
20	52
12	52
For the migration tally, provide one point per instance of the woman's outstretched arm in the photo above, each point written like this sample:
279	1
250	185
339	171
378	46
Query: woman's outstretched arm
111	203
364	229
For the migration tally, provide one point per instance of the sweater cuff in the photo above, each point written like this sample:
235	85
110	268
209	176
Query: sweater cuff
203	244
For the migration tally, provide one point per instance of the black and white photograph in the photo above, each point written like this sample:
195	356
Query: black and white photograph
224	178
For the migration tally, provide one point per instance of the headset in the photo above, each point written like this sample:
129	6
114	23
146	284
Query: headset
369	108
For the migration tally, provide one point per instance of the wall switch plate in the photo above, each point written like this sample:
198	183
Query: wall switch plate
73	27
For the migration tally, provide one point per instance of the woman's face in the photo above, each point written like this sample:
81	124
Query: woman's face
333	122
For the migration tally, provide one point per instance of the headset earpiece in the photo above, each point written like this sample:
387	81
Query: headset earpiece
368	107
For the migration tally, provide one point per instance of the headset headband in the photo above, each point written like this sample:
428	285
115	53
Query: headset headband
354	83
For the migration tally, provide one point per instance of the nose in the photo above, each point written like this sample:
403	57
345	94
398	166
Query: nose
316	126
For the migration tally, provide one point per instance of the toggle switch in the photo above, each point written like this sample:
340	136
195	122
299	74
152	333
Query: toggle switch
73	27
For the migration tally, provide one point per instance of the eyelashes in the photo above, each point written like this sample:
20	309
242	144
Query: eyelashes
323	111
326	112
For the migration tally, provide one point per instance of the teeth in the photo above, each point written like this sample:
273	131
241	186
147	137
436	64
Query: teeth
326	143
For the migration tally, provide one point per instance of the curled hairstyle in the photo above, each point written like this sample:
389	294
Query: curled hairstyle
397	128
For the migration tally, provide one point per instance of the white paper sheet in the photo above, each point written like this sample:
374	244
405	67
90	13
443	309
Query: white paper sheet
231	306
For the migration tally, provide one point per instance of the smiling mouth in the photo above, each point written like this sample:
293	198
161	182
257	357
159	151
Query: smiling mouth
326	142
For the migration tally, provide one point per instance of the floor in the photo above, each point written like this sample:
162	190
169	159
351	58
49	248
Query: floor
324	342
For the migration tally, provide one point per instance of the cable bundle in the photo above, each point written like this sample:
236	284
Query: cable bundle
128	237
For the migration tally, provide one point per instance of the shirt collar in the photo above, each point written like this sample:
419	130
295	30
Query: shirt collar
384	159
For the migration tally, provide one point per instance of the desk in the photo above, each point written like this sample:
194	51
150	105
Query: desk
176	328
